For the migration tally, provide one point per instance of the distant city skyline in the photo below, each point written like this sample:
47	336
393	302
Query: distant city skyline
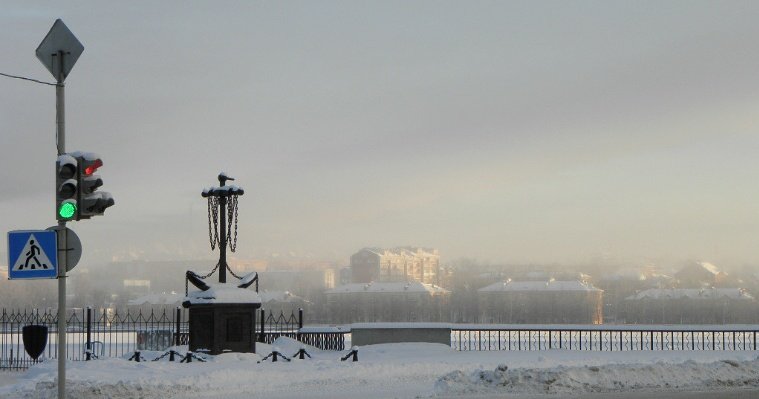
525	132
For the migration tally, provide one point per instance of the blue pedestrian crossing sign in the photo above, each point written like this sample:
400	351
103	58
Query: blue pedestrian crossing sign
32	254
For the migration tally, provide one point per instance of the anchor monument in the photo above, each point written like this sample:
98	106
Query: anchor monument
222	315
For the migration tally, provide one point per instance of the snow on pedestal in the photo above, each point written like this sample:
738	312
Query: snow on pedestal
222	293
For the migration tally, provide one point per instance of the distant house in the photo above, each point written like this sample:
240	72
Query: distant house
539	302
620	284
156	302
692	306
400	264
700	274
307	283
282	301
387	302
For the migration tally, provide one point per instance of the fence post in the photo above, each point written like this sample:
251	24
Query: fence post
263	321
177	326
300	323
88	354
713	341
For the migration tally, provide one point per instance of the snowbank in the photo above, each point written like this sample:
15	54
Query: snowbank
611	378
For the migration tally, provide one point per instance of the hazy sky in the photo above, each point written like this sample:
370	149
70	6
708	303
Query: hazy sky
508	131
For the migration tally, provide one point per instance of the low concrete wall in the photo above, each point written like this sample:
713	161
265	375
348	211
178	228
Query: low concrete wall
369	335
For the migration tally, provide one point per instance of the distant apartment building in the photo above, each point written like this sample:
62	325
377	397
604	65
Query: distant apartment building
301	282
402	264
692	306
541	302
387	302
136	287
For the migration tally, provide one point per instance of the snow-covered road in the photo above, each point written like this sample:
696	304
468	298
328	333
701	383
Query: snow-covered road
396	371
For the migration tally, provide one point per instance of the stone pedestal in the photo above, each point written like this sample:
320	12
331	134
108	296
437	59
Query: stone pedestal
222	318
223	327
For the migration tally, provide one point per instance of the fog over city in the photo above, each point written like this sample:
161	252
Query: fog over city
619	134
373	199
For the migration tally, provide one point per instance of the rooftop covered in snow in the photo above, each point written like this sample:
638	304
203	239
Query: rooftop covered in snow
280	296
692	293
409	251
550	285
156	299
398	287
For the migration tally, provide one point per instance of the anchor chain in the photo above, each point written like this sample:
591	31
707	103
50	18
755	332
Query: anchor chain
213	213
232	212
186	287
233	273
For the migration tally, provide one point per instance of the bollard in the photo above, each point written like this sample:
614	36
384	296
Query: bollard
353	353
136	356
301	353
274	353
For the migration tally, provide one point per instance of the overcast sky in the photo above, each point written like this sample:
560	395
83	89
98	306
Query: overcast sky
506	131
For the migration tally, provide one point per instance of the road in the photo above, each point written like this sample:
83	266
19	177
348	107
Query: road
726	394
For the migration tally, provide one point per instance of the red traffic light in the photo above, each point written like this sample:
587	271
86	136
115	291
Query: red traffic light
93	167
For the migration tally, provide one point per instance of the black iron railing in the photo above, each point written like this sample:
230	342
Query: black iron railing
598	338
92	334
273	326
89	333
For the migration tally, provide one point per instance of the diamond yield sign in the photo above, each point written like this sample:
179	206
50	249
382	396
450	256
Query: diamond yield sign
59	50
32	254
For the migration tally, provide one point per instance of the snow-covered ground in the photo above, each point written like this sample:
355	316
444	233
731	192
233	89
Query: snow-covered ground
409	370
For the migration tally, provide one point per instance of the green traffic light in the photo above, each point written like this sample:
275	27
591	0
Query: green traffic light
67	210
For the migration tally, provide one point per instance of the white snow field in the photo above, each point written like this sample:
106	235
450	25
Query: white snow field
411	370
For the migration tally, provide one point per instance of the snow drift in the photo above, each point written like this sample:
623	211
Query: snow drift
689	375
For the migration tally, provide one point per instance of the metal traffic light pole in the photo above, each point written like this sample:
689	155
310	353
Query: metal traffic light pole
58	52
60	124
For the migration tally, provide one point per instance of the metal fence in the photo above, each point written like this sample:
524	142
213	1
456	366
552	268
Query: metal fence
89	334
107	333
604	339
274	326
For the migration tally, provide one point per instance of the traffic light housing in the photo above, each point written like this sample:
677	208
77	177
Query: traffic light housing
66	205
77	196
90	202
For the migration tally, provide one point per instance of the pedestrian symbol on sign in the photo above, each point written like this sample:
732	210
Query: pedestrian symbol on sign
34	250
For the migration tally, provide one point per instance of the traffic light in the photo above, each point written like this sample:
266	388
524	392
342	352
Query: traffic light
90	202
66	187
